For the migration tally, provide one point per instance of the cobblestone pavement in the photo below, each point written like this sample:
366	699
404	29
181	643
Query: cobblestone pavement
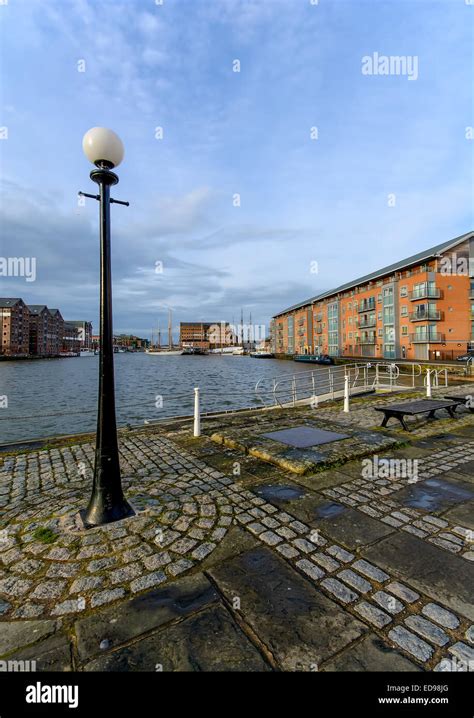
210	575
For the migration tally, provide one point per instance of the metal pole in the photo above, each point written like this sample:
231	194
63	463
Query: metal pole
197	414
107	502
428	383
346	394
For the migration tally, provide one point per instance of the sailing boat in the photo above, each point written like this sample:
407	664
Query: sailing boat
170	351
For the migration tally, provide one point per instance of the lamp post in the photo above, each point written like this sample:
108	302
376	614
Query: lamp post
107	503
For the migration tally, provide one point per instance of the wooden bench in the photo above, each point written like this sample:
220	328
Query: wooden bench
467	401
413	408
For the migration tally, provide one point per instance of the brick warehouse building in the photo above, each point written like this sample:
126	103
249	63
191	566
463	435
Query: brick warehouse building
33	330
206	335
421	308
15	332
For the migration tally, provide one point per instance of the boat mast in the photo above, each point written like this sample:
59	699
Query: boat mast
170	335
159	337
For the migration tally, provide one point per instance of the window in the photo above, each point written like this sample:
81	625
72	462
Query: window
404	330
403	291
404	310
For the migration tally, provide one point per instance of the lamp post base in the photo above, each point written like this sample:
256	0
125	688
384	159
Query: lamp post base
98	513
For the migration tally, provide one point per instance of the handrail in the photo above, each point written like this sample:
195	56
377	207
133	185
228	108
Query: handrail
436	373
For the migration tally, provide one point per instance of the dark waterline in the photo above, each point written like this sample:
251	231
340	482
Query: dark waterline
65	386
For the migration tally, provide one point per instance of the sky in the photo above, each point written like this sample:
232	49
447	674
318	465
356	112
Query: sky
281	170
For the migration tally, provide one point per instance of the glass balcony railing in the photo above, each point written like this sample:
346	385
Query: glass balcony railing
369	339
425	292
367	305
427	337
367	323
431	315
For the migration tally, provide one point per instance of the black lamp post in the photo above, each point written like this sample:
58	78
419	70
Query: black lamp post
107	503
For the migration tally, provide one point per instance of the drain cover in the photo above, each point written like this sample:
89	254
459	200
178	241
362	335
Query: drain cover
301	437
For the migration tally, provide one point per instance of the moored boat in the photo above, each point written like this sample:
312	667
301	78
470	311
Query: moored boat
314	358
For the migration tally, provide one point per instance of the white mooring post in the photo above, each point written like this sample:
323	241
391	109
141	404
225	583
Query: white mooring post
197	413
428	383
346	393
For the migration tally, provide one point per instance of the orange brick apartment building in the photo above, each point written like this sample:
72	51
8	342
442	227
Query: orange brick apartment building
419	308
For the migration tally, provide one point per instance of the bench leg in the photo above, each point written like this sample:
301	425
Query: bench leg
403	423
451	410
431	415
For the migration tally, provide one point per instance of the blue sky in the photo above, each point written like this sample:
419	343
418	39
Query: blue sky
225	133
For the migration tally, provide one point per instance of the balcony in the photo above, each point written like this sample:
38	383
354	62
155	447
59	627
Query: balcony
318	330
427	338
425	292
431	315
366	323
370	339
319	317
301	332
367	306
301	322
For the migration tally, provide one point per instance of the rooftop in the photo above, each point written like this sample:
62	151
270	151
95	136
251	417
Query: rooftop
9	302
403	263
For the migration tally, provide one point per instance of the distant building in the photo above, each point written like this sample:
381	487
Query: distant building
129	341
85	332
14	316
420	308
56	331
40	330
71	342
46	330
206	335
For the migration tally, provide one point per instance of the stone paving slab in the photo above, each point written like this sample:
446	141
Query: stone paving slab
21	633
52	654
353	529
428	569
251	440
462	514
298	625
207	641
125	621
370	654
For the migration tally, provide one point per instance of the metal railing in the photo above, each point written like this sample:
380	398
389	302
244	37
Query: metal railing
425	292
427	338
439	377
290	389
323	383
